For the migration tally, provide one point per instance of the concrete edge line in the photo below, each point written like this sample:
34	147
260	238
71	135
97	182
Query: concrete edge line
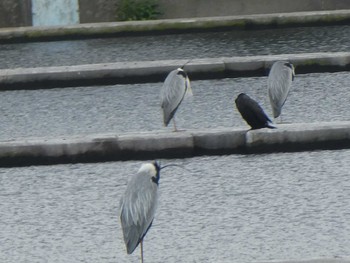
156	71
313	260
166	26
164	144
291	137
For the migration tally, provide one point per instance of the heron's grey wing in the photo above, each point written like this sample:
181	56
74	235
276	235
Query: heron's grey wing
279	83
173	92
137	209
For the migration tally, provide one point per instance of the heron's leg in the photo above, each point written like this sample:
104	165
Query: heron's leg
141	243
279	119
175	129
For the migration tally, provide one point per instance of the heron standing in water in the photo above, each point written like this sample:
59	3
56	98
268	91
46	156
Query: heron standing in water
175	87
139	204
279	82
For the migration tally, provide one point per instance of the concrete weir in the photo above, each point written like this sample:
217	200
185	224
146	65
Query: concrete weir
163	144
156	71
318	260
181	25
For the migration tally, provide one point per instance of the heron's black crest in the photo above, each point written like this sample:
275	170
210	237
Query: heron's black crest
289	65
158	168
252	112
182	73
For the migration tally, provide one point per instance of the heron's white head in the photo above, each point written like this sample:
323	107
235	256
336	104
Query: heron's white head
182	72
148	168
152	169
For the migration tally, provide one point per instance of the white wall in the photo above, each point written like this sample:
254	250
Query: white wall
55	12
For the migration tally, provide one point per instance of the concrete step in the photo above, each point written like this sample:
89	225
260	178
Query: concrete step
156	71
317	260
163	144
167	26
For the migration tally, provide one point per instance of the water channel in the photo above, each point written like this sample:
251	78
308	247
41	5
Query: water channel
224	209
133	108
237	208
182	46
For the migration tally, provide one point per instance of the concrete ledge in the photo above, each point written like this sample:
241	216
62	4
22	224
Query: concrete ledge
296	137
167	26
156	71
320	260
153	145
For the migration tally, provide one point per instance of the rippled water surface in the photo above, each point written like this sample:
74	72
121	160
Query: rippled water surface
237	208
126	108
224	209
182	46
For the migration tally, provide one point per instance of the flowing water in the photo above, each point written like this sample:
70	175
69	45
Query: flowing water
181	46
237	208
133	108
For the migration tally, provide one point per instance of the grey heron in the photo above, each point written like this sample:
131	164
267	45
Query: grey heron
175	87
138	205
279	82
252	112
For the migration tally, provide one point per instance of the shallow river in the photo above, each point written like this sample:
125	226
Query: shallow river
125	108
181	46
237	208
233	208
